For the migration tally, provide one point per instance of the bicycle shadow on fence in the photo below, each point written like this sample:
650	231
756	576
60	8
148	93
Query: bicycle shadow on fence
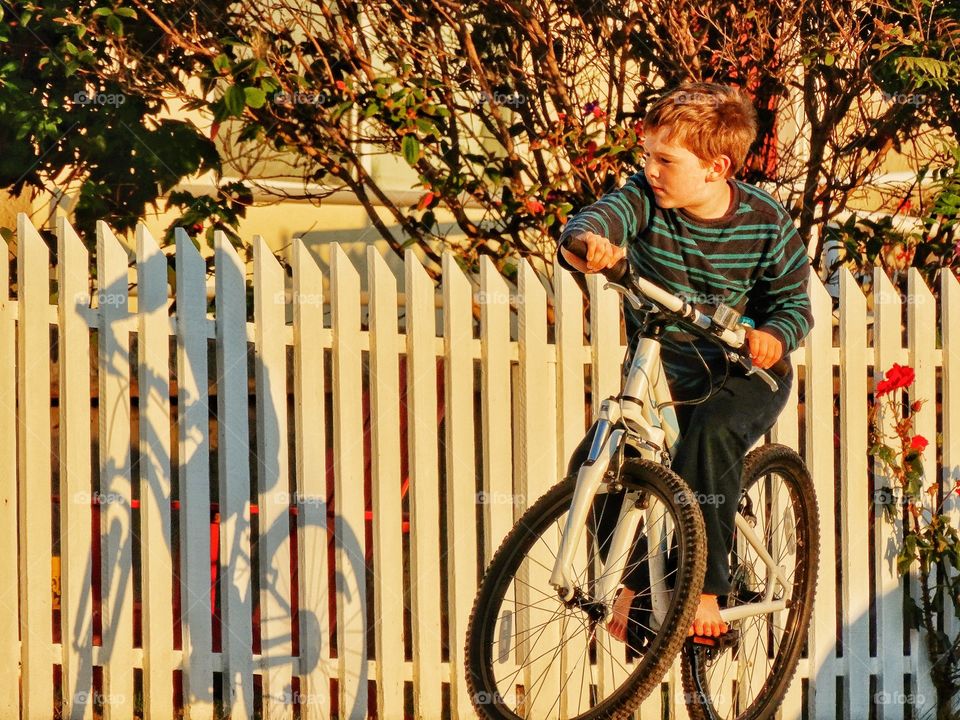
120	478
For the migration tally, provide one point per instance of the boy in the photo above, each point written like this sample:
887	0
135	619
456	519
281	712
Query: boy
686	225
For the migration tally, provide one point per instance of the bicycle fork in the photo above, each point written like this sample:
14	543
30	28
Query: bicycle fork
592	474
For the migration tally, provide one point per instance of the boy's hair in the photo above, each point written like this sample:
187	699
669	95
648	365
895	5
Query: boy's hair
708	119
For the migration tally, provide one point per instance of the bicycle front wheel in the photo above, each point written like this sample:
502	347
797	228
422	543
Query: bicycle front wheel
747	679
530	654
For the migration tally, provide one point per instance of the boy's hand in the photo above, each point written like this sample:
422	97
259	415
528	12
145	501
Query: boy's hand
765	349
601	254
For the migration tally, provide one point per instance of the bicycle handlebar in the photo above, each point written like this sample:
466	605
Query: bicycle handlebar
679	307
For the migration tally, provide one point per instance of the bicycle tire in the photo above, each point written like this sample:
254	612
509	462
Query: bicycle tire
539	522
726	698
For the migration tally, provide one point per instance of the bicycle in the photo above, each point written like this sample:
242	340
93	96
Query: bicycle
537	644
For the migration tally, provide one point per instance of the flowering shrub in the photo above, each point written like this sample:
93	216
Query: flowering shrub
927	539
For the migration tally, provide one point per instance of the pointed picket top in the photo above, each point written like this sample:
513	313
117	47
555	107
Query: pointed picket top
191	271
112	274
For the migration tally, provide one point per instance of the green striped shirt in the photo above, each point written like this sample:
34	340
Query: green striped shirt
751	259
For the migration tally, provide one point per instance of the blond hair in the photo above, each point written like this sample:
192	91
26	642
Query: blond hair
707	119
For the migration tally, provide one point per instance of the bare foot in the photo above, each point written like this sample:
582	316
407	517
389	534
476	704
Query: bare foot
707	619
617	625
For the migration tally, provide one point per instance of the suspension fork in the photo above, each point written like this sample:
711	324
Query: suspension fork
606	444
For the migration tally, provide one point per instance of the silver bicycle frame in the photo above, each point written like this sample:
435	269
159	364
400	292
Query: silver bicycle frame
641	415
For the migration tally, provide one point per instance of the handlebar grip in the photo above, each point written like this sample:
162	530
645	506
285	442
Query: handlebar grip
579	248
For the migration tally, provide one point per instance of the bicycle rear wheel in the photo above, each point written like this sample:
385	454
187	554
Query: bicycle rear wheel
748	679
532	655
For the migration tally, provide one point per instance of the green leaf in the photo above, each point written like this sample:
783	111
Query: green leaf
126	12
115	24
221	63
828	59
254	97
235	99
410	148
101	11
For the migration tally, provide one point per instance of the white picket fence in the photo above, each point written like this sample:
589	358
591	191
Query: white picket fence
284	625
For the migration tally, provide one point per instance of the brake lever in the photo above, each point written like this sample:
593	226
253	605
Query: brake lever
751	369
629	294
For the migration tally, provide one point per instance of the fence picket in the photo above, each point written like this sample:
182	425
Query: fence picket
311	483
606	351
950	403
495	404
570	357
33	403
922	343
460	471
193	453
818	417
854	497
385	481
276	621
9	595
155	480
233	468
348	493
76	518
889	600
424	486
116	531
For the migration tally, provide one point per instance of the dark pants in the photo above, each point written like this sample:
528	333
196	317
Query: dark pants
715	437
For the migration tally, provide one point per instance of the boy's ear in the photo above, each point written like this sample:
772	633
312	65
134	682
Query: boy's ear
719	168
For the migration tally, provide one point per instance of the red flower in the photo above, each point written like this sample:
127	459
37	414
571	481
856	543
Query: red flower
425	201
918	443
916	405
899	376
535	207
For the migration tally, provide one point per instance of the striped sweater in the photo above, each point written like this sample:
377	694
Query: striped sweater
751	259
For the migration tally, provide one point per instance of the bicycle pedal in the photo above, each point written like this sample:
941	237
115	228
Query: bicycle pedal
730	638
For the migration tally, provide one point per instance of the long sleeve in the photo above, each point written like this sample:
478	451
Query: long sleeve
618	216
783	303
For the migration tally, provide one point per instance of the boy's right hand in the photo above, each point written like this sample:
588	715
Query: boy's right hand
601	254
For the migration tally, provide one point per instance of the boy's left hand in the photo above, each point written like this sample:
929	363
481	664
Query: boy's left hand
765	349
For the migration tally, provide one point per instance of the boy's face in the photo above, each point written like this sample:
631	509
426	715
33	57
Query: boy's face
677	176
